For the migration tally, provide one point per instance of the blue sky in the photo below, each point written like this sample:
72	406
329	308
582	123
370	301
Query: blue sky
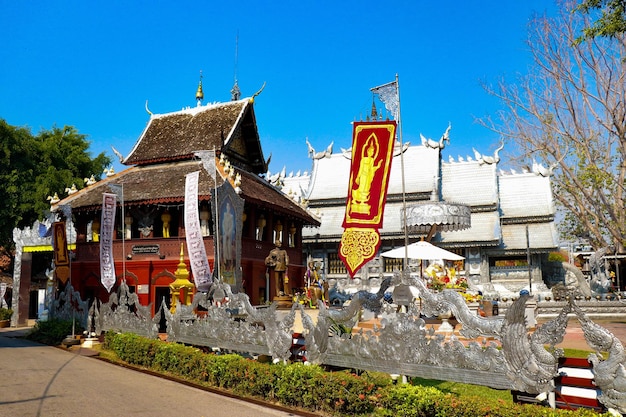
93	65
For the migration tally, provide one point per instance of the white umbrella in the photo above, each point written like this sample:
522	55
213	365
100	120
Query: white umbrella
422	250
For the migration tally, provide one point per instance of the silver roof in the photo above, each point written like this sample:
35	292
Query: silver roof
470	183
331	175
332	220
540	236
516	197
525	195
485	228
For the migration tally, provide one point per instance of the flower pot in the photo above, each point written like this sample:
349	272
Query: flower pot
5	323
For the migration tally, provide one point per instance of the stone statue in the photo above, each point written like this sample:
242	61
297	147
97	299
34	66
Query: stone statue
165	218
600	281
278	261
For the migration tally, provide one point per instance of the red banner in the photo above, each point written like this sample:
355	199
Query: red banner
61	254
372	152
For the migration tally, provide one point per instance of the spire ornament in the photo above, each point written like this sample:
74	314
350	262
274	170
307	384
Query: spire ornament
199	92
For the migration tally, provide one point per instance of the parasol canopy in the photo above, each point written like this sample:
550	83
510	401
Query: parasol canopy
422	250
446	217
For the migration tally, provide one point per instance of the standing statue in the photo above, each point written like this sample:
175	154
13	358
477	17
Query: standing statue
316	289
600	281
279	261
166	217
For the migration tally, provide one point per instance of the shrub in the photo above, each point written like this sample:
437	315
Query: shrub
556	257
53	331
409	401
5	313
312	388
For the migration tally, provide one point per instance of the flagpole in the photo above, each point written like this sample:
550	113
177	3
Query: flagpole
406	233
67	243
123	238
216	245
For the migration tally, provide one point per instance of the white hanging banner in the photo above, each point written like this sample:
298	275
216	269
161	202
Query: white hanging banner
107	228
3	291
193	235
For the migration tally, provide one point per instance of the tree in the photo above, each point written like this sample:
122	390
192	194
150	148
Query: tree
34	167
611	21
569	114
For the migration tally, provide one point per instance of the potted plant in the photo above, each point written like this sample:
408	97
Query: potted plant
5	317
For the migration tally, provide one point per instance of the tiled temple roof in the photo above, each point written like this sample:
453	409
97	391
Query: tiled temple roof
165	184
164	154
227	127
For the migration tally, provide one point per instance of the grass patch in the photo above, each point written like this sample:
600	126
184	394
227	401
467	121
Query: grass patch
577	353
461	389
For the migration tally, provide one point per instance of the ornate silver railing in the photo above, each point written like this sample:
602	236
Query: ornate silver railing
500	352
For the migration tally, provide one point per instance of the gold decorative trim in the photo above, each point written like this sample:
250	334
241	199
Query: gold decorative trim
358	245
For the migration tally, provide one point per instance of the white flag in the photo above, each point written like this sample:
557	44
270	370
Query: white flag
208	161
118	190
107	228
388	94
200	267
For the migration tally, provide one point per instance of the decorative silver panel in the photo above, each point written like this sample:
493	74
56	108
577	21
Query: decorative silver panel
69	306
236	326
124	313
500	352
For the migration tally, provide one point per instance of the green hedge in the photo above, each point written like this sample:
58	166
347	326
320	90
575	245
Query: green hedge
52	332
312	388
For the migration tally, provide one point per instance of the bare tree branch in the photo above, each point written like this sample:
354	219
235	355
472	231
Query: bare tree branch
569	112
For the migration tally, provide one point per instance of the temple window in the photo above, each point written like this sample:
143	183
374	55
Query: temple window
278	231
204	221
335	264
260	225
508	262
128	224
166	217
391	264
95	230
292	236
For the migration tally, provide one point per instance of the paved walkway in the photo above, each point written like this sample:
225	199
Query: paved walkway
43	381
575	339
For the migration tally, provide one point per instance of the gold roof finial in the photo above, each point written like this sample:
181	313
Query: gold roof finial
199	93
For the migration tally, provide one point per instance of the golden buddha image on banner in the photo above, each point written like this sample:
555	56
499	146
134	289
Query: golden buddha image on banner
372	152
61	254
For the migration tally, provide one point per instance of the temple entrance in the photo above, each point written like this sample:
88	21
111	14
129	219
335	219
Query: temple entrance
161	295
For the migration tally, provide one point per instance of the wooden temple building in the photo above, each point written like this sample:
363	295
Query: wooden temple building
148	239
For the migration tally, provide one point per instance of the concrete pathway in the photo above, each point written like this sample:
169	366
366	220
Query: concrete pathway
43	381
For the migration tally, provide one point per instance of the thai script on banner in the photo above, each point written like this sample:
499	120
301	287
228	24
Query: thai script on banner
372	152
200	267
107	228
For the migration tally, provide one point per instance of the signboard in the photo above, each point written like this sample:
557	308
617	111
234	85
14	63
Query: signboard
145	249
